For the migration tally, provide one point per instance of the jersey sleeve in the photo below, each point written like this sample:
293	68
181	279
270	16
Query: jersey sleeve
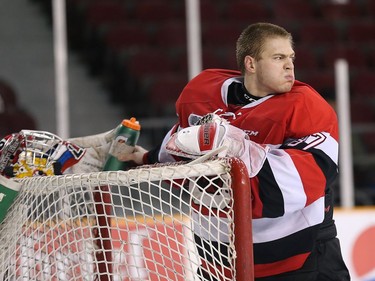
295	175
289	195
290	192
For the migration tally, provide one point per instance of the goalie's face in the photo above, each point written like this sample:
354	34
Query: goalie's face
273	72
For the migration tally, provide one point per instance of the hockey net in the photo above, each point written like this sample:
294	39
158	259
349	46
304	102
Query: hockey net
168	222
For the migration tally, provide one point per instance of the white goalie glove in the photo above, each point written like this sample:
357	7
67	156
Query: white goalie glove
217	137
97	148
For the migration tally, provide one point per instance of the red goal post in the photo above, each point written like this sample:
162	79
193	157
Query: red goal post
140	224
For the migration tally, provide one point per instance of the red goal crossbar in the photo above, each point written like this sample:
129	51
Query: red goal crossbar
242	220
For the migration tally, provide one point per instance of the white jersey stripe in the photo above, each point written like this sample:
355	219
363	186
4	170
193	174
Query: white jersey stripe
330	147
288	180
269	229
211	227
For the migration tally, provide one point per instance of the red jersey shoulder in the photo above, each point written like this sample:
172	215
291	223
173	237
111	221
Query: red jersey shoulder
206	86
309	95
304	95
299	86
311	110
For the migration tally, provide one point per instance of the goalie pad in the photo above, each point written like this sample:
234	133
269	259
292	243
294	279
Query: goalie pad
218	135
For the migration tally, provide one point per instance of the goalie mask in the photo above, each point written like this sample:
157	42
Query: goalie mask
36	153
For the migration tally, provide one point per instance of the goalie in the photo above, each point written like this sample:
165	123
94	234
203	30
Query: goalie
287	135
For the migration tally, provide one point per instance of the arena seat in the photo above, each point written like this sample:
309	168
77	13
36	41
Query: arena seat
210	10
149	61
368	140
171	34
306	58
369	7
244	11
221	34
164	91
156	11
292	10
332	11
318	32
361	111
361	32
127	35
103	12
355	56
362	84
322	80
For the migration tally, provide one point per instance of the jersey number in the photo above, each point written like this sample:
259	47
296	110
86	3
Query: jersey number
309	141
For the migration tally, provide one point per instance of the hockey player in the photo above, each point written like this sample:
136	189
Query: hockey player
286	134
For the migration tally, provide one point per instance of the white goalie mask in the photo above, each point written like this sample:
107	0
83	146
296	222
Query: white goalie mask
32	153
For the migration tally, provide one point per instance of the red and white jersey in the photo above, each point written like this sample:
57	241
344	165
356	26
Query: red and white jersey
289	192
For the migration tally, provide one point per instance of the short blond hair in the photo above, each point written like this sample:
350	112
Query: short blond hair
252	39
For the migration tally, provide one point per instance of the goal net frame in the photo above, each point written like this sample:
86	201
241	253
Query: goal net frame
42	221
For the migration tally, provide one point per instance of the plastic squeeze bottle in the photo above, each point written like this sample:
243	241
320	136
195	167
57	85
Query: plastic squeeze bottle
126	137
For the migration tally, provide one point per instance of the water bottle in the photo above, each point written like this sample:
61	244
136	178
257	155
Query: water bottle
8	192
126	137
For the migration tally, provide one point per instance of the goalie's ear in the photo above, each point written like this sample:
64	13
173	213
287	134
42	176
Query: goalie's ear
249	63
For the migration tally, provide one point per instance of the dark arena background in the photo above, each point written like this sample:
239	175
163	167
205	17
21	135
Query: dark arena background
133	57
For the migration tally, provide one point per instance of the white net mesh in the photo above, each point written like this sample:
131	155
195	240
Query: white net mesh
170	222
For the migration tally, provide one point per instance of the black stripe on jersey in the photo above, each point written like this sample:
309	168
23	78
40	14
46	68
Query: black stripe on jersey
286	247
213	252
270	193
325	163
328	167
